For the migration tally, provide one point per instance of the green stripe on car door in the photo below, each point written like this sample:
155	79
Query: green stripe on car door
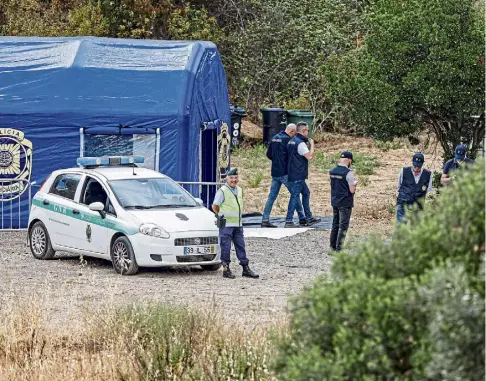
95	220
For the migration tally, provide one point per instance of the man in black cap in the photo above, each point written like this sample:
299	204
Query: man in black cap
413	185
343	187
452	164
228	206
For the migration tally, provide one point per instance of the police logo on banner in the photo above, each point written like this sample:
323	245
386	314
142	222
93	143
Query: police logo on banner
223	150
15	163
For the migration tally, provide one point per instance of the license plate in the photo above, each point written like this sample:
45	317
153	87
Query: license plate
199	250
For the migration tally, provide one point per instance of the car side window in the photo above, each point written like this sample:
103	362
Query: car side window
65	185
93	191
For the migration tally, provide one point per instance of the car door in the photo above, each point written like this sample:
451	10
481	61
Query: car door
95	231
60	209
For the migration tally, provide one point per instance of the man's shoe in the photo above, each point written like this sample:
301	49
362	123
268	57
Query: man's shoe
268	224
290	225
303	222
227	272
312	221
247	272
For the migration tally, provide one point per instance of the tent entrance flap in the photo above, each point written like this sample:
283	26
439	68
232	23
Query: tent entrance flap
122	141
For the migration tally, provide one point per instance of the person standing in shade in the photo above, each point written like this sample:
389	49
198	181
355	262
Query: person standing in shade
228	204
298	171
452	164
413	185
277	152
343	187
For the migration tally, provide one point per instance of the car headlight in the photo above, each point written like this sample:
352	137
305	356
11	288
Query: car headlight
154	231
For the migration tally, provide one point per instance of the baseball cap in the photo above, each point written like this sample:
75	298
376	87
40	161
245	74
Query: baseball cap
460	151
418	159
347	155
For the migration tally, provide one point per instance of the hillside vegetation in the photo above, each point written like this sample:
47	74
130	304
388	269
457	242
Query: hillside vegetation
383	68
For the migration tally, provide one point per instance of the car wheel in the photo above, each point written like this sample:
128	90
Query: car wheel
39	242
215	267
123	257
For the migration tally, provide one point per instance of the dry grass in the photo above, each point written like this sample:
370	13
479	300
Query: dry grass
150	342
375	198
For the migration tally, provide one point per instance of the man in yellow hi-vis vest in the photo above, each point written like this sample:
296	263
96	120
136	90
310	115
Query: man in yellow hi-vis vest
228	205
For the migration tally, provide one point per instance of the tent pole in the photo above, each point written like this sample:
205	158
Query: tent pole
157	149
81	142
217	156
200	161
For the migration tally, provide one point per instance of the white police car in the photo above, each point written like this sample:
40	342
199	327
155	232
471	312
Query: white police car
110	208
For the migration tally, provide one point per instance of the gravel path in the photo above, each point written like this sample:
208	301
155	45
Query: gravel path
72	288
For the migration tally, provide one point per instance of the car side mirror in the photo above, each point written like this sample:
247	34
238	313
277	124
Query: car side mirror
199	201
98	207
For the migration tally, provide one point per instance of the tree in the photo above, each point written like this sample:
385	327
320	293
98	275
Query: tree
421	64
274	56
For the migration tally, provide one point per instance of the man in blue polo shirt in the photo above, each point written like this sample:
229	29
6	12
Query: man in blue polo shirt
343	187
413	185
277	152
298	169
452	164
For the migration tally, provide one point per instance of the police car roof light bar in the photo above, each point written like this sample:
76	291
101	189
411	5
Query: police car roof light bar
109	161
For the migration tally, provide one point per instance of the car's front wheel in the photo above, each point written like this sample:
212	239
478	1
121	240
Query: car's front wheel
39	242
123	257
214	267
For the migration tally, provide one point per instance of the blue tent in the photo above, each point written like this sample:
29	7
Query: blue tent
61	98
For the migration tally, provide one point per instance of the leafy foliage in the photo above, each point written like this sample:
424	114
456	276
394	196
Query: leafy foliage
422	64
375	67
402	309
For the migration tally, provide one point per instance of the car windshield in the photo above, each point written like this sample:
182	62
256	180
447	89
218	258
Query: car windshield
151	194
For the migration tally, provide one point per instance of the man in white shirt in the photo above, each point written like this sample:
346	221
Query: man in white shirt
298	171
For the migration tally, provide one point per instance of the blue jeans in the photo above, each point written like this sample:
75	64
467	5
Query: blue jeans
235	235
296	189
414	209
400	212
277	183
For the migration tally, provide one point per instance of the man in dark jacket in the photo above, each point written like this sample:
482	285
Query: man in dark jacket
298	170
413	185
343	186
451	165
277	152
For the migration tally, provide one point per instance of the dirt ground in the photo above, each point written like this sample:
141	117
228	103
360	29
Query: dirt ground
72	288
375	198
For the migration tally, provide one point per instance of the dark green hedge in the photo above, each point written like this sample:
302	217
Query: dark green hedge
407	308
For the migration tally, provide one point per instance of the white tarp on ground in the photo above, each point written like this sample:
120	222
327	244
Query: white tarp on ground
273	233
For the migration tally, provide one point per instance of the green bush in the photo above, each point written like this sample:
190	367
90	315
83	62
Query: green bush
388	310
456	326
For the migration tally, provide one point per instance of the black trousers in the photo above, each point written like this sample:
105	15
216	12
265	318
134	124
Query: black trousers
340	225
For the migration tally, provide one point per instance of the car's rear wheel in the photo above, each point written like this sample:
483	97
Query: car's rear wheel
40	242
214	267
123	257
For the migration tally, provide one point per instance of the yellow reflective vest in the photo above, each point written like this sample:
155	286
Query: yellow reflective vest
232	206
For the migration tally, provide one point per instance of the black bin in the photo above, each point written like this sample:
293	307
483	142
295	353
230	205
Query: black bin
274	121
237	114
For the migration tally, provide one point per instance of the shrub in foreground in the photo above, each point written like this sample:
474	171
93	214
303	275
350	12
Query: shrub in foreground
393	310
